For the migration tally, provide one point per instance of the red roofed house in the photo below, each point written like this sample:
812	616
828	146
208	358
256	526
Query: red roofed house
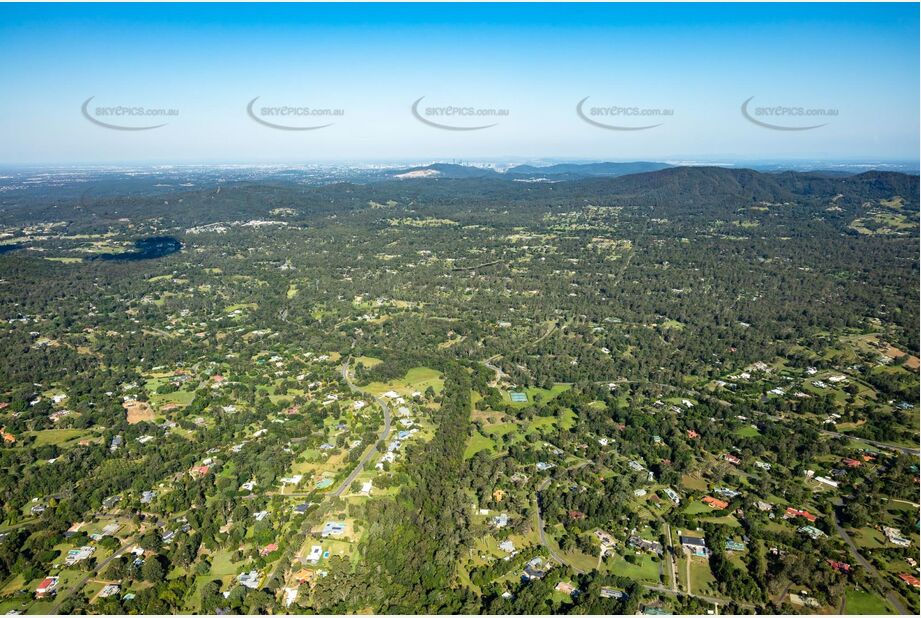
792	512
199	471
218	378
268	549
48	586
576	515
693	435
851	463
715	503
732	459
844	567
911	580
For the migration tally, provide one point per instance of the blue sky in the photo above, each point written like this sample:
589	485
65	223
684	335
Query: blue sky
537	61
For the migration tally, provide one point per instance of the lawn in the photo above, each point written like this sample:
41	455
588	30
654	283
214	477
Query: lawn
863	602
478	442
417	379
368	361
647	569
57	436
535	395
221	564
697	508
747	432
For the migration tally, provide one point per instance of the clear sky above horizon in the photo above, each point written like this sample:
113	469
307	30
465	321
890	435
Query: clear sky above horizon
372	61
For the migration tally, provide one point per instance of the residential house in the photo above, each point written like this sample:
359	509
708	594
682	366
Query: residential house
606	539
268	549
672	495
78	555
812	532
842	567
791	512
534	569
47	587
613	593
641	543
894	536
636	466
316	552
696	546
249	580
715	503
726	492
500	521
733	545
911	580
566	588
332	528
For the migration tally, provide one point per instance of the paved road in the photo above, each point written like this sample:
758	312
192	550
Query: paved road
702	597
63	596
347	482
891	596
382	437
892	447
562	561
543	538
669	558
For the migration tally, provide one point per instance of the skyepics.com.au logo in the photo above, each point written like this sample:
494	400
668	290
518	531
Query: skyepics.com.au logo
292	117
457	117
127	117
622	117
786	117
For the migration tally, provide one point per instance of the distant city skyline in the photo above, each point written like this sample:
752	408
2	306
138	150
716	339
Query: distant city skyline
422	82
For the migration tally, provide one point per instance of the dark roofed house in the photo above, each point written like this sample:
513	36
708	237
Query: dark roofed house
695	545
534	569
641	543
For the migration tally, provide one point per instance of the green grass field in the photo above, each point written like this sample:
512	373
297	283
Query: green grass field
536	395
57	436
863	602
478	442
417	379
646	570
697	508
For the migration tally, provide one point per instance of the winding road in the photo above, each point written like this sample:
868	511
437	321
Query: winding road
100	567
891	596
382	436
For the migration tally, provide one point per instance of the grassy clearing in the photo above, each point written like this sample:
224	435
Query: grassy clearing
535	395
57	436
417	379
478	442
368	361
862	602
646	569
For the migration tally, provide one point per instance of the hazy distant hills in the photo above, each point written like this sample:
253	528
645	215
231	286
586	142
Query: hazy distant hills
560	171
583	170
